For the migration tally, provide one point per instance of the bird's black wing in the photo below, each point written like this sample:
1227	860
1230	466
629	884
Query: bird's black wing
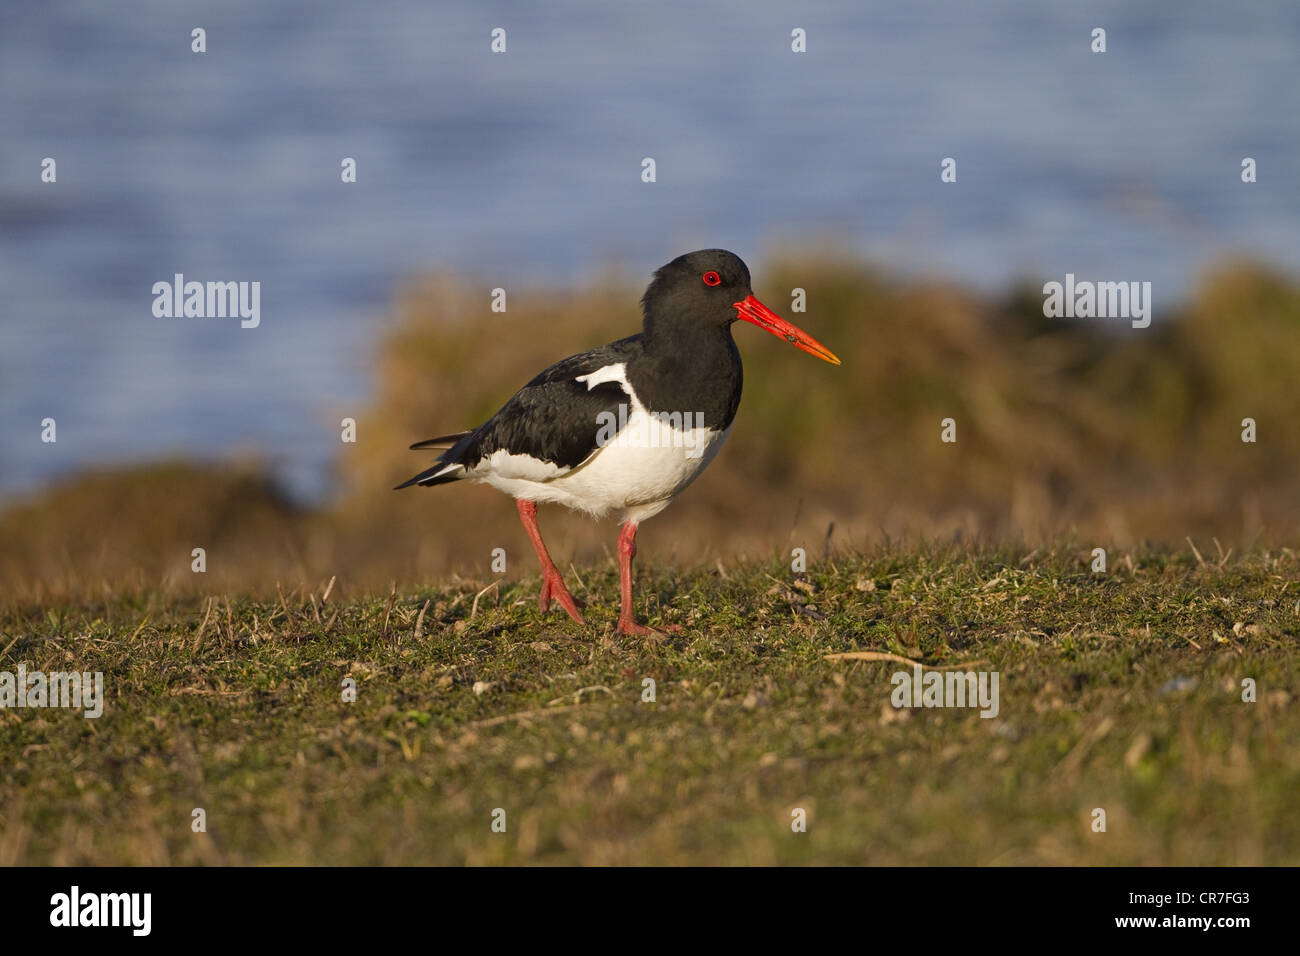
554	418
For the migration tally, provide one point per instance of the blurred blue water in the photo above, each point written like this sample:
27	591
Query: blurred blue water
526	167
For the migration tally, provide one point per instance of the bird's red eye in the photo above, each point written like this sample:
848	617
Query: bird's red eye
712	278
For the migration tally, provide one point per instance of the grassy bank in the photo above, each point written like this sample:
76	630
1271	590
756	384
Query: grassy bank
1113	435
1119	691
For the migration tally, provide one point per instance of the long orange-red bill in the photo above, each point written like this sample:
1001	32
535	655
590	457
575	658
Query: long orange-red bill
753	311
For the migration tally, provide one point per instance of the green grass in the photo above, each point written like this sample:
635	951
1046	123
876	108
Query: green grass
1120	691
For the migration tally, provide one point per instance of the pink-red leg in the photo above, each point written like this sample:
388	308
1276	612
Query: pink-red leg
626	552
552	582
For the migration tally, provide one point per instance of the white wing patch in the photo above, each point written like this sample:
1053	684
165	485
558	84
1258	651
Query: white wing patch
610	373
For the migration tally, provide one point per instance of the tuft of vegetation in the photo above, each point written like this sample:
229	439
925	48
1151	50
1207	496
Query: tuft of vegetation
1121	691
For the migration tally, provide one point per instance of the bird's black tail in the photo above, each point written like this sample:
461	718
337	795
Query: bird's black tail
442	441
445	469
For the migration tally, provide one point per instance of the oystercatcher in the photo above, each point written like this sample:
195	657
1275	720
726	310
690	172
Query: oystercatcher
627	426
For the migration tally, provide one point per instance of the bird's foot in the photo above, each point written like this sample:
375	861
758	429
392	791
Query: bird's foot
553	587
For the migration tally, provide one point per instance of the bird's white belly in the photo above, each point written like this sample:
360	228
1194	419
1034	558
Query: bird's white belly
639	471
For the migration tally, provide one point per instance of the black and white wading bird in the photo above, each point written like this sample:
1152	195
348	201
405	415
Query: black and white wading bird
624	427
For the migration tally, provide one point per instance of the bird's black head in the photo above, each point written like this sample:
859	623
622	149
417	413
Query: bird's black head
709	289
697	288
